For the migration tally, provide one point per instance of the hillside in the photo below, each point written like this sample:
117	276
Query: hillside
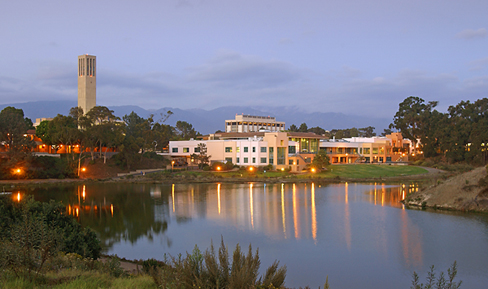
462	192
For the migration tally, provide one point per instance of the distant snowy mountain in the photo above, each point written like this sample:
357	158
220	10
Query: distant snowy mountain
209	121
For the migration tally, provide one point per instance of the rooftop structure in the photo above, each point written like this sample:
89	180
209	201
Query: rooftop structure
250	123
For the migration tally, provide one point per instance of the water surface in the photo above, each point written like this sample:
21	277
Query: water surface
360	235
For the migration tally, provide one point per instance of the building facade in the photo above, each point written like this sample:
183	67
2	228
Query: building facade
87	82
267	149
250	123
391	148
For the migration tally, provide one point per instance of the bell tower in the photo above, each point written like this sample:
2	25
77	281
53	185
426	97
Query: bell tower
87	82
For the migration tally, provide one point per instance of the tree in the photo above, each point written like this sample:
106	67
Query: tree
386	132
303	128
367	131
185	130
293	128
321	160
13	129
201	158
317	130
412	117
101	128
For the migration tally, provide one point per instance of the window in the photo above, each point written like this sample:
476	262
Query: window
175	150
282	142
253	149
228	160
290	162
367	151
238	149
281	156
271	155
246	160
375	151
228	149
246	149
263	149
263	160
186	150
292	150
237	160
253	160
197	149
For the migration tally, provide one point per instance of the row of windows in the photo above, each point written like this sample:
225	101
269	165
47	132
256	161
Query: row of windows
246	160
186	150
246	149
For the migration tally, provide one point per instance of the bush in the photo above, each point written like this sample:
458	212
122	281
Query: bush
441	282
211	271
74	238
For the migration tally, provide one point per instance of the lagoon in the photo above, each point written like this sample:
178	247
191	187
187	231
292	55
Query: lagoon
359	235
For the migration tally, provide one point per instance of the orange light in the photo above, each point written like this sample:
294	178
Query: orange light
282	169
251	169
313	170
218	168
18	171
18	197
83	169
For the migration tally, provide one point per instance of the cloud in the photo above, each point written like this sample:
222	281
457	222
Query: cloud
478	64
471	33
233	70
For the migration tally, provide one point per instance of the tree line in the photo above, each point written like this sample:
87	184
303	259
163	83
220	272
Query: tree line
337	133
459	135
97	130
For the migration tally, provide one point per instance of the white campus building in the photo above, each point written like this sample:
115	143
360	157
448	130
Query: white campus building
268	148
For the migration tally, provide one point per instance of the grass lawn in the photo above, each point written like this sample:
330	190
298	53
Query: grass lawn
370	171
355	171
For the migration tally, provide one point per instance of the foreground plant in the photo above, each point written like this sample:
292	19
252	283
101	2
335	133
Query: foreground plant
441	282
208	270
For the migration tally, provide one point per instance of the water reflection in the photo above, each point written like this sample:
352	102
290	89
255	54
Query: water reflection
311	228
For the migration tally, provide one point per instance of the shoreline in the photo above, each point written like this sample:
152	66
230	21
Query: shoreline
179	179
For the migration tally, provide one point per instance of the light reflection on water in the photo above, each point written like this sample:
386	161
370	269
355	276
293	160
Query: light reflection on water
360	235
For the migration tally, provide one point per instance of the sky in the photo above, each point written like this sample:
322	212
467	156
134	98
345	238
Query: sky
352	56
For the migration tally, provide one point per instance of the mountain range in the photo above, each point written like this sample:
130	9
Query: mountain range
209	121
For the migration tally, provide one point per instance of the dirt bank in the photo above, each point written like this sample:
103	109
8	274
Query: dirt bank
461	192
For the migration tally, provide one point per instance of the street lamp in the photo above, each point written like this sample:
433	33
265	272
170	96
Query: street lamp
172	165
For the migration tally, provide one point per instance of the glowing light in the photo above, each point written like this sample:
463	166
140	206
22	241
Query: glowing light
282	169
112	209
84	193
218	196
283	208
173	196
295	213
18	171
251	169
314	215
18	197
218	168
313	170
251	205
83	169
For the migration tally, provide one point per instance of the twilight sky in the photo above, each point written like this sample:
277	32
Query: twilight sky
353	56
